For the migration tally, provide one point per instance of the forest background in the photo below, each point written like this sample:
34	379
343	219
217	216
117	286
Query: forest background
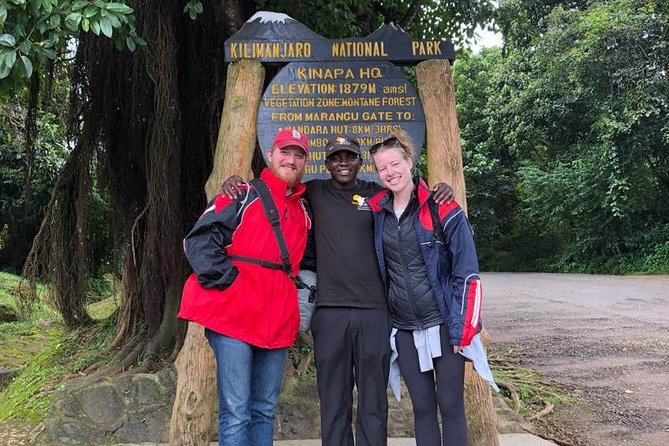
109	113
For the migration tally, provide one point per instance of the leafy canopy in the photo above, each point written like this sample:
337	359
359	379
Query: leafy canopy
34	31
577	121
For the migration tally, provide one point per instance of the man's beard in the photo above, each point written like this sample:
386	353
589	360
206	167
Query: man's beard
292	177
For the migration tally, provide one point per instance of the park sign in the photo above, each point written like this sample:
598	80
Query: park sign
275	37
329	87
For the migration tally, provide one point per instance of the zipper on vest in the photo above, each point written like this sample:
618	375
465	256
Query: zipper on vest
407	276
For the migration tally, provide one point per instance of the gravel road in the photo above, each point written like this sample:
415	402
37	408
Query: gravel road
605	338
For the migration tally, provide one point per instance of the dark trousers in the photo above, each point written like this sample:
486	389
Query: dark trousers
449	371
351	347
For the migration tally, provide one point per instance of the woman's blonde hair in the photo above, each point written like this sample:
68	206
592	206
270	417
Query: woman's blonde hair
404	143
406	140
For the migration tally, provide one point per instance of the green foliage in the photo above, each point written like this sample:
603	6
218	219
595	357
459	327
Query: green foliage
193	8
21	212
523	21
34	31
572	131
489	166
653	257
602	115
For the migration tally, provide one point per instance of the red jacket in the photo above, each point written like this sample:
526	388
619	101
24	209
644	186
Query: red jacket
242	300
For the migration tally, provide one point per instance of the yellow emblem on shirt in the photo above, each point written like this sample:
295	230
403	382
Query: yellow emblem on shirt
358	200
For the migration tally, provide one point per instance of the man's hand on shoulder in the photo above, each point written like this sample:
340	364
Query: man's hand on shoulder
442	193
231	187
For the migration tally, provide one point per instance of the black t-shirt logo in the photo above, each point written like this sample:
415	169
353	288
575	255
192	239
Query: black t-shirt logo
360	202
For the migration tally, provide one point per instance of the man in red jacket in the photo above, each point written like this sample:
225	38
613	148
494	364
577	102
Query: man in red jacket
249	311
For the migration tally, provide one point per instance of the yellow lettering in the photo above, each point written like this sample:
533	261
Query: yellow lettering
286	116
256	49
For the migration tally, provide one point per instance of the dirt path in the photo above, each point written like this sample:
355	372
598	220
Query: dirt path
606	338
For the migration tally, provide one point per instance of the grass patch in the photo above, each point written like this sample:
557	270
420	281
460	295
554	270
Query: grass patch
103	309
21	341
47	353
531	387
65	355
28	396
8	284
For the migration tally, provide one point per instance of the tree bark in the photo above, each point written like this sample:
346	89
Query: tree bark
237	133
444	155
195	402
30	136
444	163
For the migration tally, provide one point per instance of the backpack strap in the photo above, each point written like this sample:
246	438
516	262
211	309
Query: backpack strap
272	215
437	230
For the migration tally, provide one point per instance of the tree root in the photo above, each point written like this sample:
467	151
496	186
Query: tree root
513	392
91	368
125	357
543	412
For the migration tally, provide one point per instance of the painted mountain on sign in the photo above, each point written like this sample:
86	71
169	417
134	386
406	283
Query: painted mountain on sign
273	26
389	33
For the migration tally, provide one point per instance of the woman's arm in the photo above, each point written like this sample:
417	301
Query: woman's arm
466	296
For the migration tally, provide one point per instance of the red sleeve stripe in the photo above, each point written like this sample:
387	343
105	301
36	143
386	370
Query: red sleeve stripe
472	293
220	202
446	208
451	218
475	289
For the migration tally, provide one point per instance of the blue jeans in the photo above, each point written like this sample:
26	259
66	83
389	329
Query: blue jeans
249	382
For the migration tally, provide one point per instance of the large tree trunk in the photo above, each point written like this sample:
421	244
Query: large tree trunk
444	163
153	276
195	402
